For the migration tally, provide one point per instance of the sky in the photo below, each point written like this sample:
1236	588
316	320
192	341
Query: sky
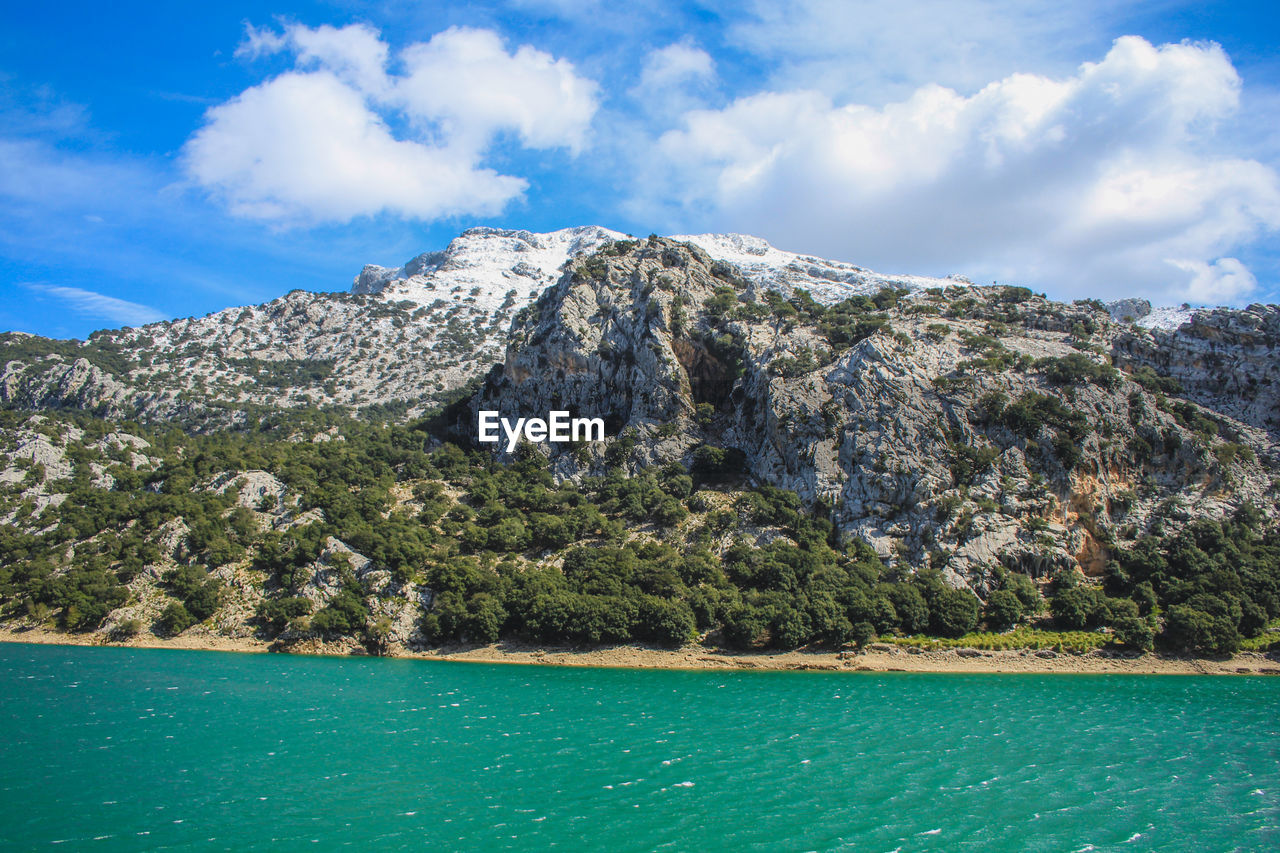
167	160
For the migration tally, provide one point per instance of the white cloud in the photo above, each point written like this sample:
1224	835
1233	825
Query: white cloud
1225	281
676	65
465	79
876	52
316	144
675	79
306	147
355	53
1090	183
260	41
100	307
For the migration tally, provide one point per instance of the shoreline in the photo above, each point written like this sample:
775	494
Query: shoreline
877	657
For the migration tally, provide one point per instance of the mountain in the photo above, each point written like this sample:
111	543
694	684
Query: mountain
797	451
934	423
357	349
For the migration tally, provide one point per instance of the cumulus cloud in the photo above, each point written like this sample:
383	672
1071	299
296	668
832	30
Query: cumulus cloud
307	146
317	144
1089	183
464	79
100	307
1224	281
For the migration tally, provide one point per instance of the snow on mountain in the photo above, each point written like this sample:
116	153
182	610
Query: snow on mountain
492	265
826	280
1167	319
484	265
1140	313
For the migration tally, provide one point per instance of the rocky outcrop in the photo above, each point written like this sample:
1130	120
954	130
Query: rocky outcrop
1225	360
59	383
968	428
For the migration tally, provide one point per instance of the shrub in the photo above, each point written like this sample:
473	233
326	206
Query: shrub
175	619
127	628
1193	630
277	613
345	614
718	464
1135	633
1077	607
969	461
1077	369
664	622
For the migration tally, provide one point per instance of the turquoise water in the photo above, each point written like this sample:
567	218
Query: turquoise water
126	749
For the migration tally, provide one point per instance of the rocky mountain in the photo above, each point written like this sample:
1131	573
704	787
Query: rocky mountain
794	447
399	340
963	427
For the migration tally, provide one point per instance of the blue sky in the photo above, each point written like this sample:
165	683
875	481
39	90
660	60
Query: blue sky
164	160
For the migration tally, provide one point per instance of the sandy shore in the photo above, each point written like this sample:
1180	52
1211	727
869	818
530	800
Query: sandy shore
878	657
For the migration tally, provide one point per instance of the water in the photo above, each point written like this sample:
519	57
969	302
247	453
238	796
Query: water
127	749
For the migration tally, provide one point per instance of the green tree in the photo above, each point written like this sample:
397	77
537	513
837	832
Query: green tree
1003	610
175	619
953	612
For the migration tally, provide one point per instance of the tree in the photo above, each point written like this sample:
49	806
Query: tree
1196	631
953	612
175	619
862	633
485	618
1023	587
745	627
1003	610
345	614
1135	633
665	622
912	610
1076	608
509	535
277	613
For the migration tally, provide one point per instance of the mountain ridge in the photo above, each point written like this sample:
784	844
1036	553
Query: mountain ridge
342	348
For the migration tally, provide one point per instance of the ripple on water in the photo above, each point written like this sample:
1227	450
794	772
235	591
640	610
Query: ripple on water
625	760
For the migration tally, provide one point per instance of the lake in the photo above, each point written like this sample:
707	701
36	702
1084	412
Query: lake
158	749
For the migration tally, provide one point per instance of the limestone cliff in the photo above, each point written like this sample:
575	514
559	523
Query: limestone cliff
958	427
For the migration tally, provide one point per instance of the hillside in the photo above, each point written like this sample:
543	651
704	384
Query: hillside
799	453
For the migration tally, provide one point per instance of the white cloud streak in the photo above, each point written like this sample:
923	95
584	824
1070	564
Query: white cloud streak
100	307
876	52
675	79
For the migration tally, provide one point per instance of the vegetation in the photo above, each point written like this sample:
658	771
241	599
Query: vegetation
509	553
1213	584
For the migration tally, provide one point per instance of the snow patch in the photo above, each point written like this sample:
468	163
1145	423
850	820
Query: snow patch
826	280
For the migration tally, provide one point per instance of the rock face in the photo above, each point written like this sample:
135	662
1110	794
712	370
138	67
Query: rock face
61	383
1224	359
964	427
